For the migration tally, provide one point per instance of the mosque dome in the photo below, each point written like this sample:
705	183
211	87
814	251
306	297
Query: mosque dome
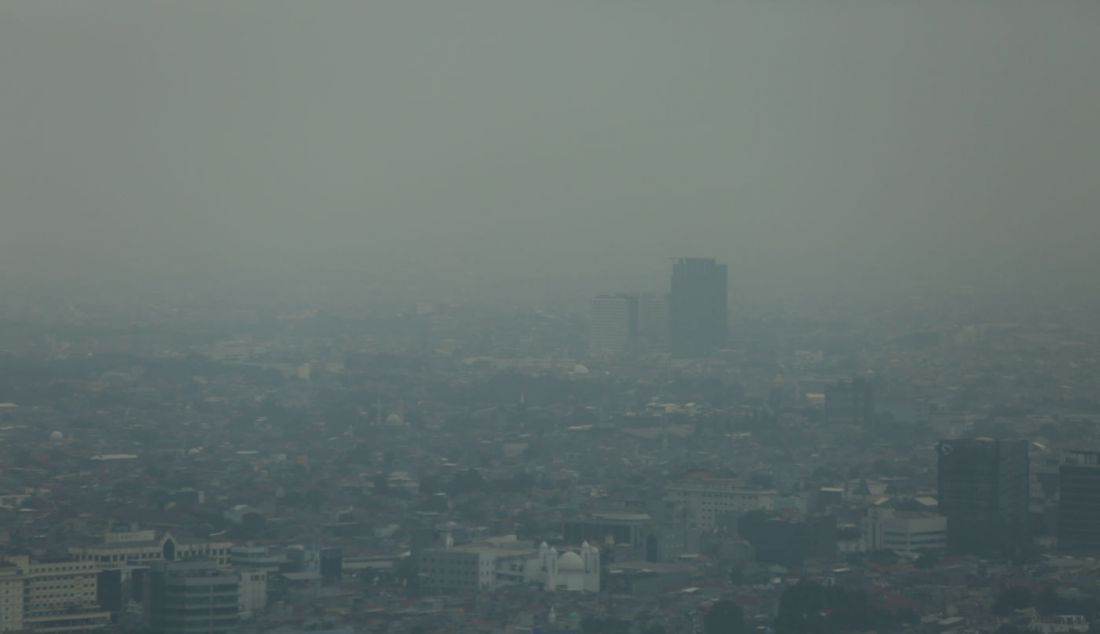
570	562
56	435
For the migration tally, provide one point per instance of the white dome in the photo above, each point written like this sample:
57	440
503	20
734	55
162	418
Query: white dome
56	435
580	369
394	419
570	561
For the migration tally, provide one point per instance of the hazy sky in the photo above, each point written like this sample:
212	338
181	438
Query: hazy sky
565	144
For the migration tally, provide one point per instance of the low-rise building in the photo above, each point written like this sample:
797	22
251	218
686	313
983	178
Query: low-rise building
904	531
502	561
128	549
703	501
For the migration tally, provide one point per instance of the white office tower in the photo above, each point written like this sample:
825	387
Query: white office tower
614	326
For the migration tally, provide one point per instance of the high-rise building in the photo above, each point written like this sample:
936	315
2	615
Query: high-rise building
614	326
697	307
850	401
332	566
983	492
1079	501
11	596
253	592
191	597
653	321
54	594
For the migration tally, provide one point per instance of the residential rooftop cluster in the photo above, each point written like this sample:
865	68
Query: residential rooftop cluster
456	469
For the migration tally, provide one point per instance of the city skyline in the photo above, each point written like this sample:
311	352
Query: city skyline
553	317
165	146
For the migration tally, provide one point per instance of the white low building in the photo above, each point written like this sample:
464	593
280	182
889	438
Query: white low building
1059	624
904	531
503	561
703	501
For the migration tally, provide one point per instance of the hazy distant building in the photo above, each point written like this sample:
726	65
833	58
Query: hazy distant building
622	535
850	401
332	566
983	492
614	326
701	502
1079	503
786	540
697	307
653	326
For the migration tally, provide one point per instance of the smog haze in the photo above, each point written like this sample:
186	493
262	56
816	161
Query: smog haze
499	149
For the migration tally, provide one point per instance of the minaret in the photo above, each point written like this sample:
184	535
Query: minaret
552	573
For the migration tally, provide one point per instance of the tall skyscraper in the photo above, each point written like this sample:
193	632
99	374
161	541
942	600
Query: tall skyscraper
850	401
653	321
614	326
1079	501
983	492
697	307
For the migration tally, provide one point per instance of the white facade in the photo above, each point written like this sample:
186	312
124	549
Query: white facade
253	592
11	597
498	562
255	558
56	595
614	325
703	501
569	571
1059	624
124	550
886	529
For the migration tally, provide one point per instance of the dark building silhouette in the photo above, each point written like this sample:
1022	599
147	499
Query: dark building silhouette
191	597
697	307
787	541
614	533
1079	501
850	401
109	590
332	566
983	492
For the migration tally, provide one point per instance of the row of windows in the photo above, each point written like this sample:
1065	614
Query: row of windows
450	573
158	555
57	569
